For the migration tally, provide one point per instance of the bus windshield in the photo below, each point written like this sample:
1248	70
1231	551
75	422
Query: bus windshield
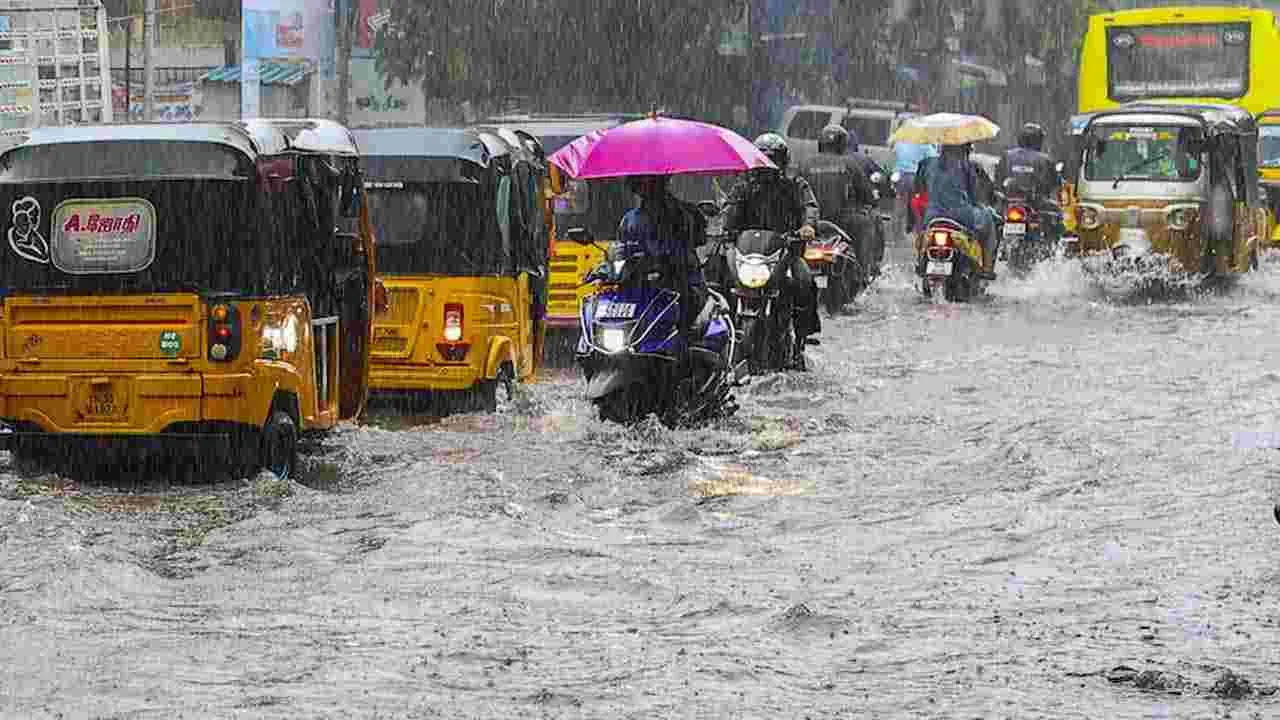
1185	60
1122	152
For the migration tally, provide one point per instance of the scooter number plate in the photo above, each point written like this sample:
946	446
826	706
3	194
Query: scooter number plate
615	311
938	267
820	281
1015	229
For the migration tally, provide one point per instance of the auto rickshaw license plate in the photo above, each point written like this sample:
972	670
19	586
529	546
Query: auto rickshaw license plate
820	281
938	267
1015	229
99	401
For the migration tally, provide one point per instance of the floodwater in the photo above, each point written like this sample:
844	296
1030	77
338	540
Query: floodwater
1026	507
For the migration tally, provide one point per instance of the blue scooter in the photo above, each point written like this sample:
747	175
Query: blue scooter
636	360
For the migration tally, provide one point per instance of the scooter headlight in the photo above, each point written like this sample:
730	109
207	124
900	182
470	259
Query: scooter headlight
613	339
753	275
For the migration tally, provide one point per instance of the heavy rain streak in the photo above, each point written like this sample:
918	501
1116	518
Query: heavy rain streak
639	359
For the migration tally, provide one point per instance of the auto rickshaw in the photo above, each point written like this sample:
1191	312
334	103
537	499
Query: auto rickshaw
1269	168
595	206
203	282
462	252
1152	178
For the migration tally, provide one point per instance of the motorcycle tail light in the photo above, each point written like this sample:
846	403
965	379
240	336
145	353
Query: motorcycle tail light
941	237
1016	215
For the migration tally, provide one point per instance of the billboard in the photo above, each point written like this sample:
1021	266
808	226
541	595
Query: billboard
372	101
284	30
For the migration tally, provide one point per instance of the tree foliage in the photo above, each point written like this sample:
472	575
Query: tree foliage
558	52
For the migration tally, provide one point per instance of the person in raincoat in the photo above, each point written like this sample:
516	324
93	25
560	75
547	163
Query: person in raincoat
956	187
664	226
768	199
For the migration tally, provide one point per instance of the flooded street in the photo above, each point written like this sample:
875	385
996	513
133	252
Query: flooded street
1025	507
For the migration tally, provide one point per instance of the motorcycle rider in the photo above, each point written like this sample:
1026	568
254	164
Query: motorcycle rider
767	199
1032	172
843	190
883	189
666	227
957	188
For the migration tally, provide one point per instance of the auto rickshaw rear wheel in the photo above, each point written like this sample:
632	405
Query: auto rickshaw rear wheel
280	445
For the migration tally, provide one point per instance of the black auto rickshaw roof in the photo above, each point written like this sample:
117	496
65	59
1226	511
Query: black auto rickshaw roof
423	154
1214	118
250	141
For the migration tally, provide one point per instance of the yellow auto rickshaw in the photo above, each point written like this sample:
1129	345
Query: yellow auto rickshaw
1171	184
206	282
595	207
462	251
1269	168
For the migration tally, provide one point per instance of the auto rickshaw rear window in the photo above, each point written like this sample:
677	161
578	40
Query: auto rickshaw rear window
438	228
150	159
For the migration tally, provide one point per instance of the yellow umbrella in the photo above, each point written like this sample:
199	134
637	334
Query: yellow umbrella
945	129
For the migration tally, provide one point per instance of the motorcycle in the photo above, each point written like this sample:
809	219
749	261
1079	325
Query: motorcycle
948	261
758	266
634	356
1030	236
835	266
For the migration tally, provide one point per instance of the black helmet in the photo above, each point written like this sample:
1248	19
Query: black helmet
774	148
1031	136
834	139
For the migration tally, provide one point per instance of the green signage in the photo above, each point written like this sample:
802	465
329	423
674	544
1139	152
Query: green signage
170	343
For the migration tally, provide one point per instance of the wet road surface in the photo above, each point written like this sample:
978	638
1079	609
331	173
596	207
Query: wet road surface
1025	507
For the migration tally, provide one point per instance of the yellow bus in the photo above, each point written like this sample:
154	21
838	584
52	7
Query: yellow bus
1189	54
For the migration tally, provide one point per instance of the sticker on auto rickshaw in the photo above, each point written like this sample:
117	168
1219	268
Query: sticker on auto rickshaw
93	237
170	343
1140	134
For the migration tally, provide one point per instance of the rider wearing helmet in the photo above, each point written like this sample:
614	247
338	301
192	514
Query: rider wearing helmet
1031	170
843	189
882	188
767	199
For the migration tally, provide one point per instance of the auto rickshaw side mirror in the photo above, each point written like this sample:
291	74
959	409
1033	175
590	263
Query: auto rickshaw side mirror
578	235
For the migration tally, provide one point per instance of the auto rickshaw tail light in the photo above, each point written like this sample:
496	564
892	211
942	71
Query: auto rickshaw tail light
453	317
381	300
224	333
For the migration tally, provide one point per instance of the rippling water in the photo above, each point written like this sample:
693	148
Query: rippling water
1029	506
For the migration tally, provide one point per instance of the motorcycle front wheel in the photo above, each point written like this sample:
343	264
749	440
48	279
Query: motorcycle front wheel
627	406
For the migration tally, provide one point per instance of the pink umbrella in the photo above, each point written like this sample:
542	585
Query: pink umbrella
659	146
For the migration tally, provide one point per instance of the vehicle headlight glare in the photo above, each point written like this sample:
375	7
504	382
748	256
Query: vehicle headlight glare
753	275
613	339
